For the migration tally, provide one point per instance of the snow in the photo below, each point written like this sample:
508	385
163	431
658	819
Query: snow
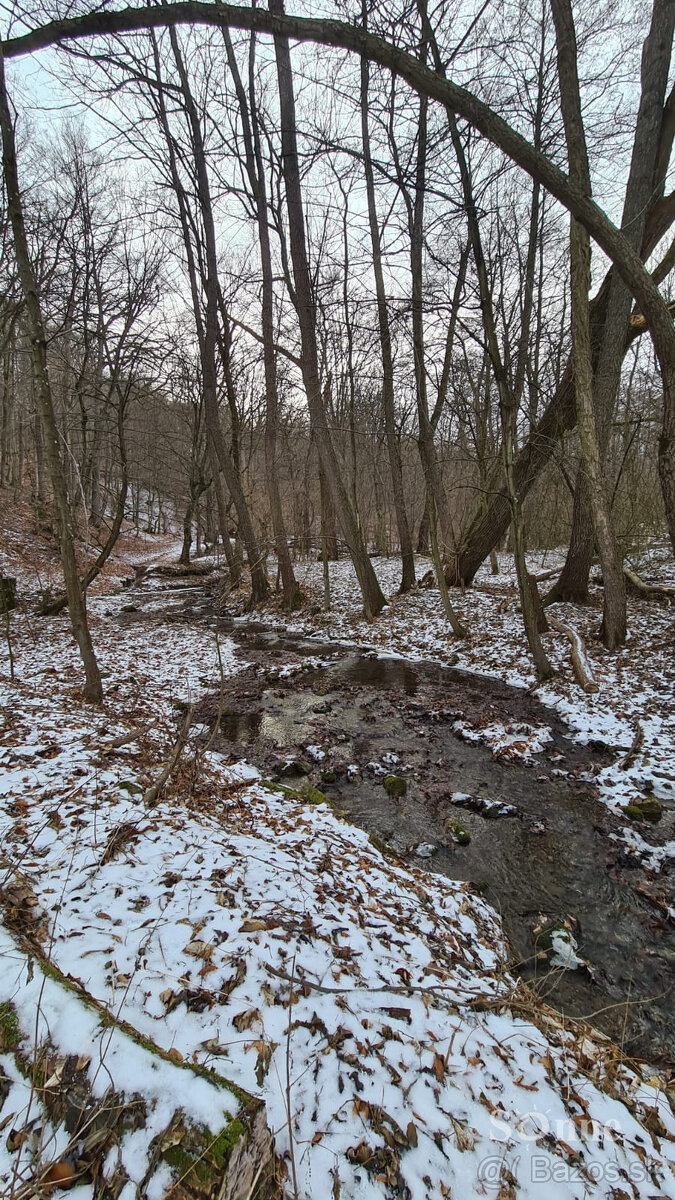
369	1005
636	684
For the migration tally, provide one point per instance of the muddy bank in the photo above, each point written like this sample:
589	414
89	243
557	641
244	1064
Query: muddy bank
316	714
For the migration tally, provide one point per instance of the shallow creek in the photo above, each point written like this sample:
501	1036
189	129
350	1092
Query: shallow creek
299	699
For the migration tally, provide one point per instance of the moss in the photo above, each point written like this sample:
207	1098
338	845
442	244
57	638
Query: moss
296	600
648	809
382	846
222	1147
394	785
206	1156
328	776
179	1159
271	785
458	832
314	796
306	795
10	1033
651	809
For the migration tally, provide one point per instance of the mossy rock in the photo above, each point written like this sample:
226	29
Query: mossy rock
272	785
314	796
394	785
651	809
298	766
328	776
458	833
306	793
648	809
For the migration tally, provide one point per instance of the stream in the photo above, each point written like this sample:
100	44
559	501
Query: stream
312	713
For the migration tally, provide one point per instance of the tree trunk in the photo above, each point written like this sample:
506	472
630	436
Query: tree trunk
614	616
93	689
571	585
373	599
642	180
256	174
209	340
388	401
508	408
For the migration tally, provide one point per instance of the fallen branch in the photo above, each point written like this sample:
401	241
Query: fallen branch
648	591
151	794
580	665
122	740
635	748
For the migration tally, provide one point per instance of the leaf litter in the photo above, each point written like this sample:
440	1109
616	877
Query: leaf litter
368	1004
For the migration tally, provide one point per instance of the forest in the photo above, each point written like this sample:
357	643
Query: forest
337	570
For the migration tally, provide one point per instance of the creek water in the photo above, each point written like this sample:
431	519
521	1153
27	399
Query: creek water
299	699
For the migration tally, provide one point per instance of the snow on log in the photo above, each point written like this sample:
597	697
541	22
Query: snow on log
580	664
648	591
94	1102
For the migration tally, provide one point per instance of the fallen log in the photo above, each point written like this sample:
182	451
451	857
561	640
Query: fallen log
580	664
648	591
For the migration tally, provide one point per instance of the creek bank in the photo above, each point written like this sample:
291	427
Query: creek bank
331	714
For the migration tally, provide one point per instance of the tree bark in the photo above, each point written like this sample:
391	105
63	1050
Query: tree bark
256	175
645	180
259	584
388	400
373	599
614	614
93	689
508	407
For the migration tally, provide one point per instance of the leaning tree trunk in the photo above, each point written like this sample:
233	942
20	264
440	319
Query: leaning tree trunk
614	616
571	586
645	180
373	599
508	405
93	689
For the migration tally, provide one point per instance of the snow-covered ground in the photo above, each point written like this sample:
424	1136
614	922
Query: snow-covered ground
368	1004
636	686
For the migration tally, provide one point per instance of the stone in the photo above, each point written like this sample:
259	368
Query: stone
458	833
648	809
394	785
294	767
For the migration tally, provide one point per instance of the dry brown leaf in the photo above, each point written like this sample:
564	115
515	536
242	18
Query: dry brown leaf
439	1067
245	1019
199	949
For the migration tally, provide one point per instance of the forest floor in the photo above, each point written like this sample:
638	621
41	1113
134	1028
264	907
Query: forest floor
237	925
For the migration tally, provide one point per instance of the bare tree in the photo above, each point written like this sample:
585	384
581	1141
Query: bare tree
93	689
